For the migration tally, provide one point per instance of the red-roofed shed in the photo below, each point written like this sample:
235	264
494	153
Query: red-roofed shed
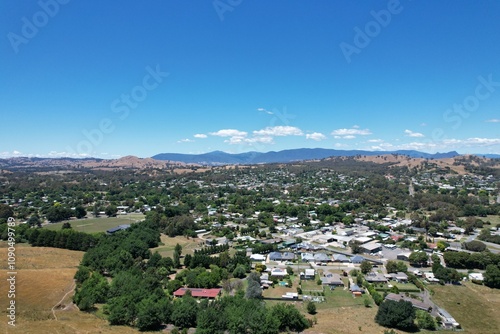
198	293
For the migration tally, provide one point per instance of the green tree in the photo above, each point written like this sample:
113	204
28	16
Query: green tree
254	291
311	307
366	301
35	221
149	313
492	276
94	290
210	320
122	310
418	258
185	311
289	318
365	267
400	314
80	212
177	256
425	320
475	246
6	211
355	247
82	274
111	211
239	271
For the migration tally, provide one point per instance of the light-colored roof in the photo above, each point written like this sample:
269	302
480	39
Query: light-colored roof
371	246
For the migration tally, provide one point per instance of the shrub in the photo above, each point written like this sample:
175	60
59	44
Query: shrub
311	307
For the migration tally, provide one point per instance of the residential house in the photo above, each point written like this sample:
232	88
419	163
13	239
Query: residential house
415	302
308	274
374	277
321	257
447	320
332	279
357	259
404	256
371	247
275	256
278	273
356	290
307	257
257	257
399	276
198	293
476	276
340	258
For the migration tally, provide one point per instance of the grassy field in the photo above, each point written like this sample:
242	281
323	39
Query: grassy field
94	225
166	249
403	287
44	288
475	307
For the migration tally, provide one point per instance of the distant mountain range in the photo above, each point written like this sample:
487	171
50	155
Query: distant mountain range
301	154
127	162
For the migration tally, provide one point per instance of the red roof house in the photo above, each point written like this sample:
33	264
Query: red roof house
198	293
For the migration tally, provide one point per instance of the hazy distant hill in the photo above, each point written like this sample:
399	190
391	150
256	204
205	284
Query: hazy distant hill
220	158
128	162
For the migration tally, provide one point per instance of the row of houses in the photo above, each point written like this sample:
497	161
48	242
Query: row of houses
318	257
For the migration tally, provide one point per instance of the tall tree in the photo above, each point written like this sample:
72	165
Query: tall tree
400	314
365	267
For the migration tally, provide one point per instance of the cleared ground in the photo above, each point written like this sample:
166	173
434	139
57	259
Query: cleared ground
94	225
475	307
44	288
168	245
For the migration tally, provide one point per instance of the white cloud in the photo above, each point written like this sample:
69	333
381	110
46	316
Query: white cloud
229	133
494	120
423	124
238	140
317	136
468	145
266	111
186	140
469	142
350	133
410	133
375	140
200	135
279	131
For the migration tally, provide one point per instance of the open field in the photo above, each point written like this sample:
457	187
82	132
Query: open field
403	287
44	288
345	320
167	249
475	307
94	225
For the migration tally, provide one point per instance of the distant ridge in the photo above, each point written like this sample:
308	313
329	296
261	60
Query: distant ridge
300	154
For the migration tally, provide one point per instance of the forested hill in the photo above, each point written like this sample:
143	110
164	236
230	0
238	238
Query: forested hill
301	154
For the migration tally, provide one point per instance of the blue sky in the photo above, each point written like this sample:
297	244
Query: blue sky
91	78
